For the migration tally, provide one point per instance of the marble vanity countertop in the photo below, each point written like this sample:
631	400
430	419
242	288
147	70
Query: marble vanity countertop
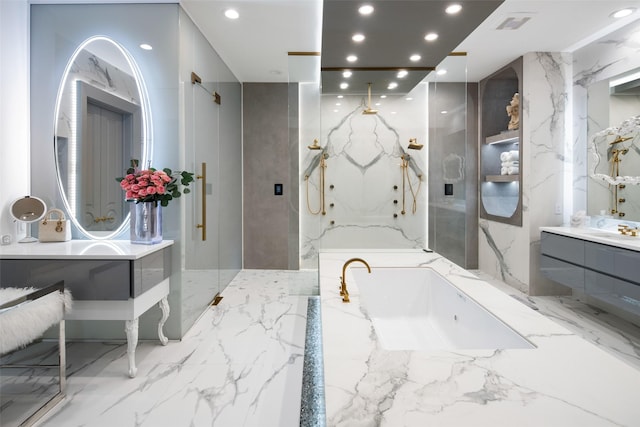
564	381
87	249
598	235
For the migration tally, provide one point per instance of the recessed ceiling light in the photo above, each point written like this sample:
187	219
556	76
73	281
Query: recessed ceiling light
338	104
352	58
335	111
231	14
340	96
392	85
146	46
366	9
409	98
383	96
357	37
441	72
623	12
347	74
378	104
402	73
415	58
431	37
443	112
344	85
453	9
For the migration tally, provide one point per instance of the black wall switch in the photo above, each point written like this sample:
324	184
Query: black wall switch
448	189
277	189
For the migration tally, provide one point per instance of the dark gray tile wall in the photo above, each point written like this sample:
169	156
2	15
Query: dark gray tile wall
270	221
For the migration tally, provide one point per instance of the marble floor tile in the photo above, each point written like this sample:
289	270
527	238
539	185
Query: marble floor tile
241	363
608	331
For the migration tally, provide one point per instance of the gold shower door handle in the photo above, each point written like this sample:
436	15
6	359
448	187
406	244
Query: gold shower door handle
203	225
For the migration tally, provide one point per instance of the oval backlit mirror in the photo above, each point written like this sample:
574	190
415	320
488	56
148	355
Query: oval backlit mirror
102	121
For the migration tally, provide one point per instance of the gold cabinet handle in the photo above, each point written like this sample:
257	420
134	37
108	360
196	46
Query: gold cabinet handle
203	225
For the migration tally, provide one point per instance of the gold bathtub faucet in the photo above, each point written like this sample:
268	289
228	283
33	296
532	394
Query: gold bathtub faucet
343	280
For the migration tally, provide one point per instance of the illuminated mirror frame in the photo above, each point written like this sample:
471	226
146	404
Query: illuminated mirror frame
147	135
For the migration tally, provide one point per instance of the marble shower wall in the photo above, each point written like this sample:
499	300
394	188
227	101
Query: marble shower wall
363	164
509	252
607	57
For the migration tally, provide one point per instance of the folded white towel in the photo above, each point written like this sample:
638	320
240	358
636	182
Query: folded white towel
503	171
510	164
513	170
510	156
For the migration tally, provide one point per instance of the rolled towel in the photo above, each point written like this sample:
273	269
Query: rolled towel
510	164
503	171
510	156
513	170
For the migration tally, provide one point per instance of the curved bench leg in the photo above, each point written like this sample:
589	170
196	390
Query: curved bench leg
164	306
131	328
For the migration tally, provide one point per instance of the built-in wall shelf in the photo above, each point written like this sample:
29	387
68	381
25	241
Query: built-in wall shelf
501	178
508	137
500	195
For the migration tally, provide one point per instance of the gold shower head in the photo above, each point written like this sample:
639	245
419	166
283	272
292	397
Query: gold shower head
314	146
413	144
369	110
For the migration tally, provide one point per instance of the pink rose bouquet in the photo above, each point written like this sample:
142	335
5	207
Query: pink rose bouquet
152	185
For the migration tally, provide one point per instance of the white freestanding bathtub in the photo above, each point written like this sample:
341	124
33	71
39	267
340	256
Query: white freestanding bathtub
415	308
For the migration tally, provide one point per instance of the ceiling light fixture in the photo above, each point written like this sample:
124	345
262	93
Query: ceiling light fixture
453	9
366	9
415	58
352	58
392	85
340	96
402	74
622	12
383	96
344	85
357	38
231	14
441	72
146	46
431	37
346	74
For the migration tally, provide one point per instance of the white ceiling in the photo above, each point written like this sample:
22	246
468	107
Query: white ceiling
256	45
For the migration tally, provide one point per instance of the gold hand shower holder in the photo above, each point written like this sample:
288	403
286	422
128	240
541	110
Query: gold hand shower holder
322	208
405	178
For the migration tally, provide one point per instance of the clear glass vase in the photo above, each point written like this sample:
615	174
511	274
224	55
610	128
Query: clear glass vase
145	223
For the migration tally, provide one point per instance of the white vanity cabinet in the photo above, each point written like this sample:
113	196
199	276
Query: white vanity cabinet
603	265
108	280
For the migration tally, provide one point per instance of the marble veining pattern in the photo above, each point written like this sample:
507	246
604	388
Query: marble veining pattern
565	381
363	164
240	365
100	394
505	250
